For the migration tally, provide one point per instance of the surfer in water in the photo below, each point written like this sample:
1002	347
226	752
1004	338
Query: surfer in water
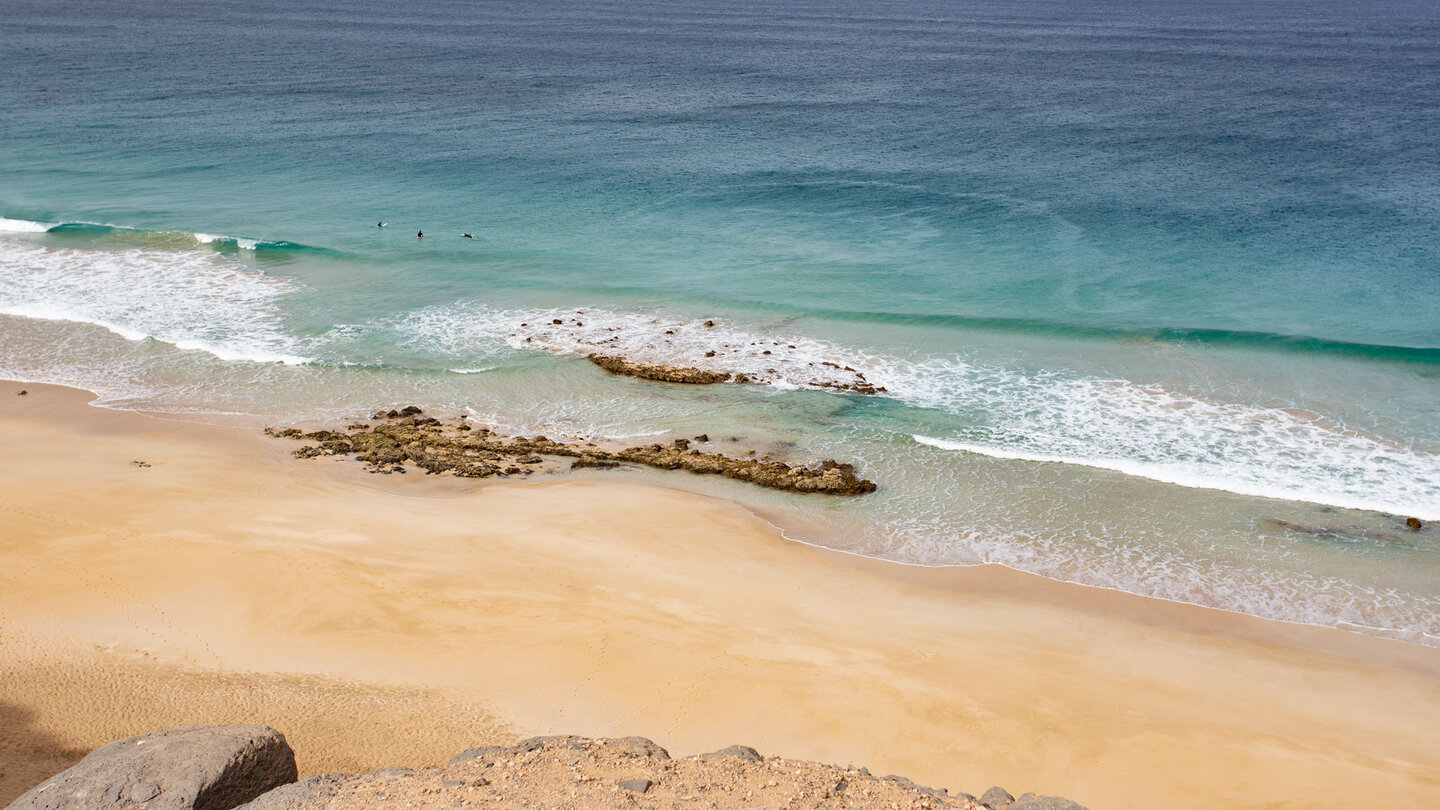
467	236
380	224
419	234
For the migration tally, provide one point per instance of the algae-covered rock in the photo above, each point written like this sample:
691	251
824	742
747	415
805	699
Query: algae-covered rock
675	374
466	451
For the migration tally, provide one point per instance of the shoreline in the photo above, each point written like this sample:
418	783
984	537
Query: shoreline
1377	647
655	611
982	577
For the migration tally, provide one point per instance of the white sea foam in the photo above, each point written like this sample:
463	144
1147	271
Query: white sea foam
785	361
191	299
220	239
1140	430
1164	435
23	226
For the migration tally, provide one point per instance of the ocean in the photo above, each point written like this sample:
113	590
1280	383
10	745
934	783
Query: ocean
1153	289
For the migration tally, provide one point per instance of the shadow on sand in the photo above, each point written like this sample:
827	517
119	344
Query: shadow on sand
28	755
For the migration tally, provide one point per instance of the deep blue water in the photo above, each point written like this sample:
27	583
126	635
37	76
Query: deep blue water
1187	256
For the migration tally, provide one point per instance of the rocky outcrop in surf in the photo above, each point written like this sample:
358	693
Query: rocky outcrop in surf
676	374
573	772
408	437
689	352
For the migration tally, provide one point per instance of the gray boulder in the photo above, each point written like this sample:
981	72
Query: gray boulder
312	791
1029	801
997	798
744	752
189	767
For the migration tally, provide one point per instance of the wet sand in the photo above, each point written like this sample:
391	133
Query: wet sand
395	620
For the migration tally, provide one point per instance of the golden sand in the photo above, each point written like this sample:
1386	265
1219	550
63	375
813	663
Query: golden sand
395	620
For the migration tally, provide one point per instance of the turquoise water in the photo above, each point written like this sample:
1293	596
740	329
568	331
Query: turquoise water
1144	283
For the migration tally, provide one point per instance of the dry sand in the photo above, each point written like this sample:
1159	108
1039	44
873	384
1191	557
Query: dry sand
397	620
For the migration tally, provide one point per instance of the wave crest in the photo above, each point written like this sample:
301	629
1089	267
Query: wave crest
194	300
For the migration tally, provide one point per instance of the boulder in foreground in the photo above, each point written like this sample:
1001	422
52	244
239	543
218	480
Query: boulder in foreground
185	767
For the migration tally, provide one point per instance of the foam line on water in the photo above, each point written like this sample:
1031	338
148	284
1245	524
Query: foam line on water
194	300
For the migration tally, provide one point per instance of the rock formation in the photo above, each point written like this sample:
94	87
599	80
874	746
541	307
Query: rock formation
676	374
407	437
576	773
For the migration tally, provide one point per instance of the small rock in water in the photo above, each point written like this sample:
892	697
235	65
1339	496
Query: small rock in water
22	393
138	463
1414	524
709	323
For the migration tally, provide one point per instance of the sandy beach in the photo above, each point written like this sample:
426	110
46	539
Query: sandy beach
396	620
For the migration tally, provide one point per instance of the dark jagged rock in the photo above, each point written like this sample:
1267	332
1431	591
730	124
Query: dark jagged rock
831	477
474	452
191	766
675	374
909	783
